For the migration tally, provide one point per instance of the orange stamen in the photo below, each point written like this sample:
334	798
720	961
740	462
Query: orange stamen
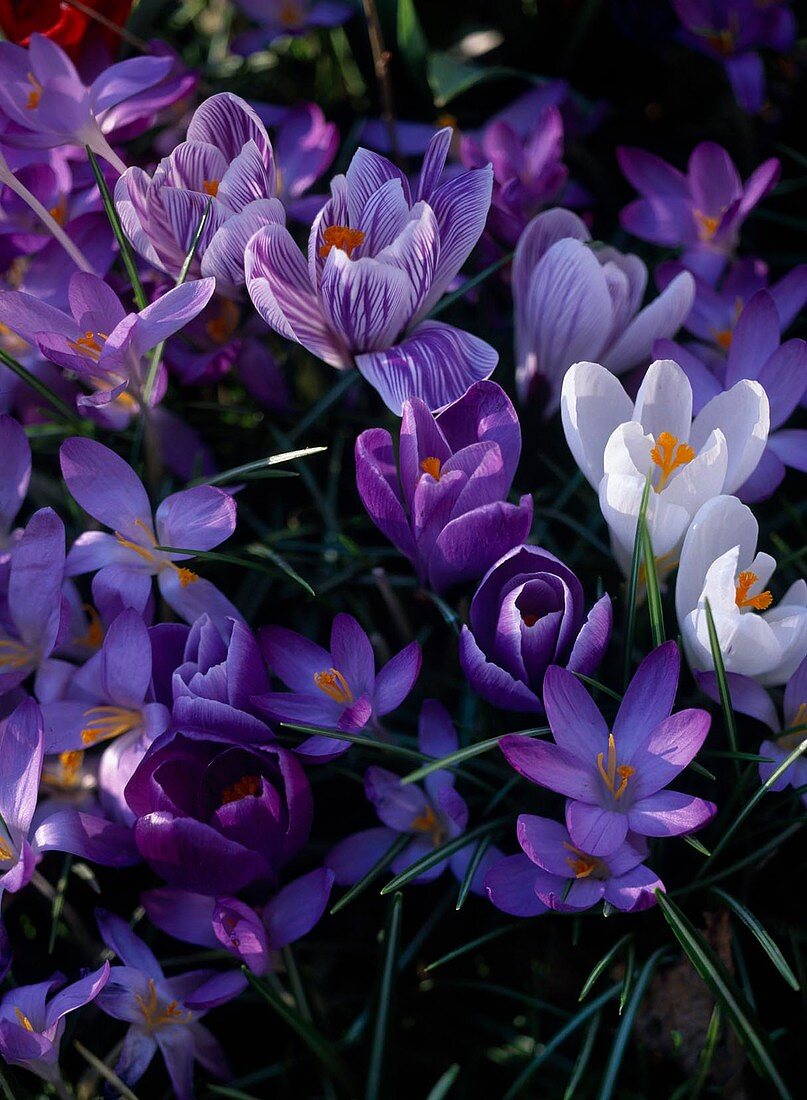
761	602
332	683
582	863
186	576
13	654
611	770
707	226
428	822
210	187
668	454
23	1019
35	94
155	1014
529	620
106	722
59	211
221	327
248	786
5	851
341	236
88	344
432	466
723	338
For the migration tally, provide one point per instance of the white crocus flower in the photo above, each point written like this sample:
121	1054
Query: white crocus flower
617	443
719	563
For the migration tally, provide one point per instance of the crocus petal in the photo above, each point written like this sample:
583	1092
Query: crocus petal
576	723
592	641
510	885
35	581
670	813
661	318
635	890
396	679
376	481
743	415
199	518
181	914
21	749
669	748
354	856
130	949
105	486
594	829
747	696
549	767
593	404
295	909
648	699
87	836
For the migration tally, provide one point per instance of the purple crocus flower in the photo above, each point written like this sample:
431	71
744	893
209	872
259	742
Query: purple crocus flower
337	689
616	781
700	212
32	1022
379	258
556	873
528	613
574	304
163	1013
444	506
196	519
214	816
227	164
253	936
14	478
284	18
731	32
756	352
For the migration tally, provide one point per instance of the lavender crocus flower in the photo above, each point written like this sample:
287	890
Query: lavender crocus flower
110	491
163	1013
32	1022
616	781
227	164
444	506
700	212
379	258
338	690
14	478
528	613
556	873
284	18
573	303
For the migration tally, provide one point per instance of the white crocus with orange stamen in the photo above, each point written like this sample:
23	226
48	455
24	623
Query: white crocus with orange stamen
619	444
720	563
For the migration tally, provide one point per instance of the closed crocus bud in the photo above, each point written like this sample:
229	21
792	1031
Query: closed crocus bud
444	506
216	817
527	614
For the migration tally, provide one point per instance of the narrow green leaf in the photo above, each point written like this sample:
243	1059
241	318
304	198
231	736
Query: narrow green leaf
693	842
443	851
753	858
472	945
103	1069
603	965
123	241
357	739
442	1087
766	941
260	550
597	685
583	1057
245	563
237	472
337	390
471	869
43	390
231	1094
633	585
6	1089
369	878
412	42
392	939
457	295
722	682
57	905
466	753
626	1025
706	1056
627	981
654	606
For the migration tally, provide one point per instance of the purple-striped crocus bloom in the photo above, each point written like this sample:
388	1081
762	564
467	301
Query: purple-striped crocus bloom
225	164
194	519
379	258
444	506
214	816
556	873
337	689
575	303
162	1013
32	1021
253	936
14	478
287	18
700	212
528	613
615	781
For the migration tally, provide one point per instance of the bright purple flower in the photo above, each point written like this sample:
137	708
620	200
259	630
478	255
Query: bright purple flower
225	162
153	106
701	211
282	18
378	260
338	690
163	1013
616	781
111	492
731	32
32	1022
527	614
574	304
215	817
253	936
556	873
14	477
305	145
444	505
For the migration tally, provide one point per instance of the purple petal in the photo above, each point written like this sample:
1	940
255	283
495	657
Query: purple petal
353	857
181	914
491	682
105	486
594	829
510	885
577	725
592	641
549	767
295	909
396	679
16	453
352	654
198	518
87	836
669	748
747	696
35	581
670	813
130	949
292	657
21	749
635	890
461	207
192	855
377	483
649	698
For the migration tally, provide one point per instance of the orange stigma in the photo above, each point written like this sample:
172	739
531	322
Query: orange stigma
88	344
427	822
668	454
155	1014
343	237
95	632
59	211
23	1019
432	466
5	851
723	338
745	580
610	771
210	187
707	226
582	863
248	786
332	683
35	93
221	327
186	576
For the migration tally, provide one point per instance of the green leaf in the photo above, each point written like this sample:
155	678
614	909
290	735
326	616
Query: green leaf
714	973
123	241
597	685
392	938
238	472
603	965
441	1088
627	981
43	390
357	739
654	607
57	904
449	77
366	880
471	869
260	550
101	1067
626	1025
466	753
443	851
691	1090
693	842
337	390
472	945
583	1057
722	681
633	585
412	44
766	941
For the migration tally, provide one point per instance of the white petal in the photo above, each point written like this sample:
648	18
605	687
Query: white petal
743	415
664	401
702	478
593	404
720	525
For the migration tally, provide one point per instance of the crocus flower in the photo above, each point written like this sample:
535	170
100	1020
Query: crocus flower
378	260
615	777
163	1013
556	873
527	614
700	212
253	936
32	1022
214	816
618	444
226	165
719	563
338	690
444	507
196	519
574	303
283	18
756	352
14	478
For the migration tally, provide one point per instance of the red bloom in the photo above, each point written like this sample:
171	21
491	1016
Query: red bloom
61	22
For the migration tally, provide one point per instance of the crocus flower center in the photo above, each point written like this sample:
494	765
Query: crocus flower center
428	822
668	454
221	327
529	619
583	865
615	776
95	632
722	40
155	1014
67	773
723	338
431	466
332	683
106	722
248	786
88	344
22	1019
35	93
5	851
745	581
186	576
59	211
789	741
13	654
210	187
341	236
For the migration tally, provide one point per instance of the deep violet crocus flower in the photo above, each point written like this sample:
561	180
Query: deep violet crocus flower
555	873
337	689
444	506
615	781
287	18
111	492
32	1020
14	478
379	258
700	212
528	613
163	1013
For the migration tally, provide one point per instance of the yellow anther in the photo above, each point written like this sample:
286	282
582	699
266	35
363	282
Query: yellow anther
428	822
23	1019
5	851
343	237
157	1015
707	226
59	211
668	454
332	683
106	722
89	345
432	466
583	864
745	580
13	654
610	770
